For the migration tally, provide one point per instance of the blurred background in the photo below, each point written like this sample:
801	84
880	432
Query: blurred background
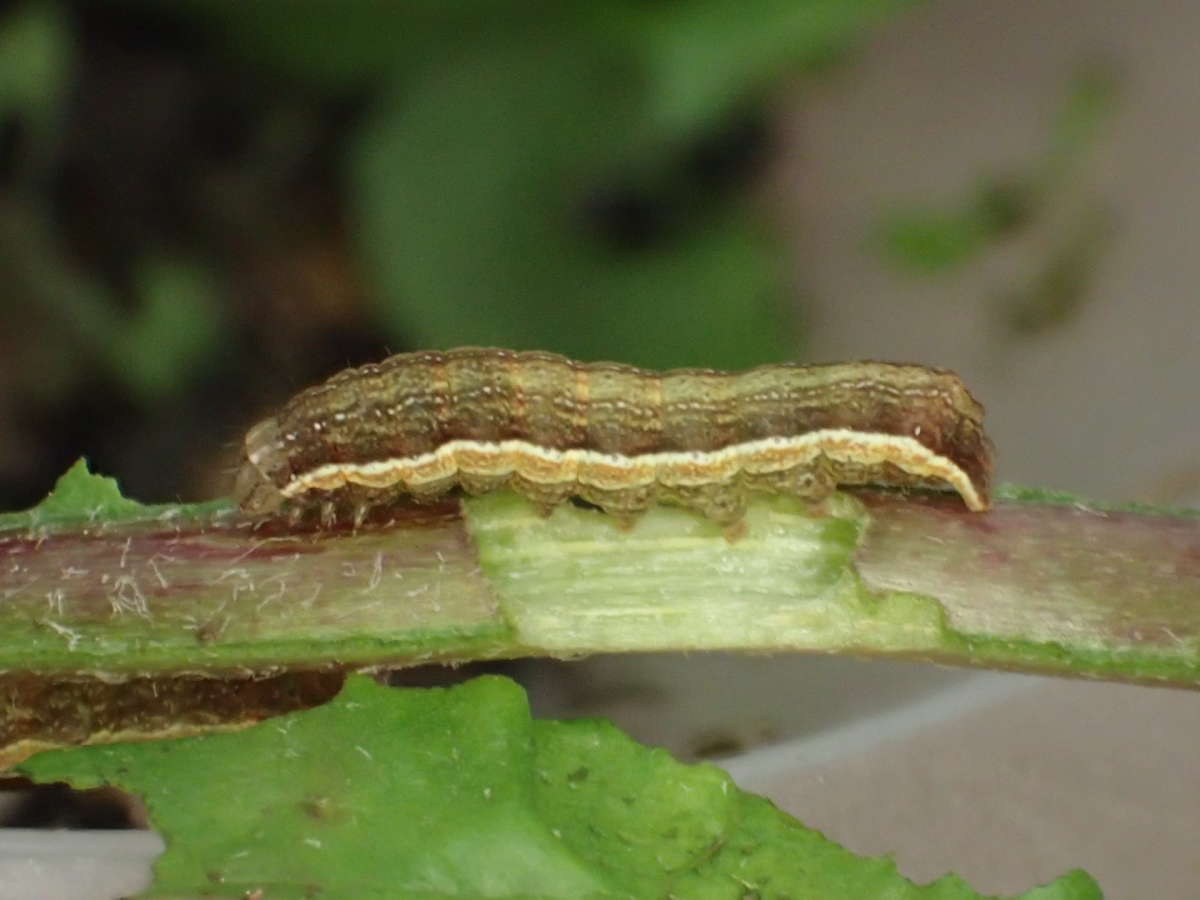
207	205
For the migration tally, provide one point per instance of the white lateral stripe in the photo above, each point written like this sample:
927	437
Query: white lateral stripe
615	471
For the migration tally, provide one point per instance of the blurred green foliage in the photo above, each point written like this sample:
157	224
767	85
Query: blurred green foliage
153	350
177	326
929	240
208	204
498	130
35	73
501	147
472	220
1062	284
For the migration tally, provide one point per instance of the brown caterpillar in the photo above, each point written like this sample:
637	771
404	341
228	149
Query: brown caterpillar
420	424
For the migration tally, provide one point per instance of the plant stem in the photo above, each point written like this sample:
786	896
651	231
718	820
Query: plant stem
1033	585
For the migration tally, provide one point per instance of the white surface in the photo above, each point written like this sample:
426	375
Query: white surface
75	865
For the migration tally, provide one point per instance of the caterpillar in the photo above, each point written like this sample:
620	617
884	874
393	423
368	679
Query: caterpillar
418	425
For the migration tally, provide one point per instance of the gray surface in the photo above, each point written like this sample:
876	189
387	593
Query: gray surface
954	91
75	865
1067	774
1051	776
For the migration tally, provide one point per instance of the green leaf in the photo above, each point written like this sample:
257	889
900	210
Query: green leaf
79	497
458	793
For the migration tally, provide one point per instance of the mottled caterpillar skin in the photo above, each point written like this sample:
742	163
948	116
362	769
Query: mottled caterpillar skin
417	425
